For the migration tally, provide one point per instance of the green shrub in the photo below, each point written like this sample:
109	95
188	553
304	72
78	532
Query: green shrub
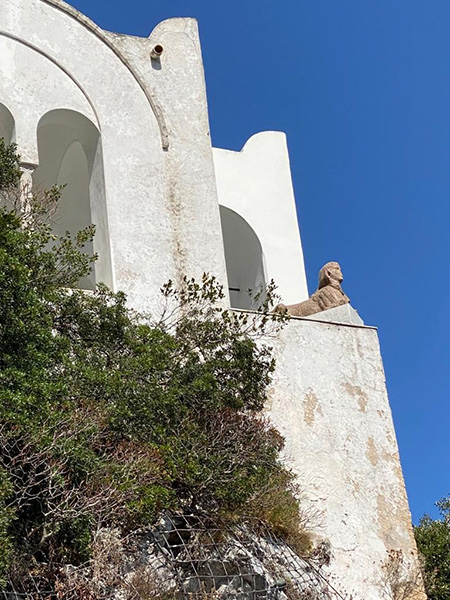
9	167
109	419
433	542
6	519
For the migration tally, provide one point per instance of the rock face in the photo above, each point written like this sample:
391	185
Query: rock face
186	558
192	559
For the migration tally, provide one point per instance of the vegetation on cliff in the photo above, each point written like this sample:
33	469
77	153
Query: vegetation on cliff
433	542
107	418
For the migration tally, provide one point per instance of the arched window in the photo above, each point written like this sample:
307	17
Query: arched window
70	154
244	259
6	124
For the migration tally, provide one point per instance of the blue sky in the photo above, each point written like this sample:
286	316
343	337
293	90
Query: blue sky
362	90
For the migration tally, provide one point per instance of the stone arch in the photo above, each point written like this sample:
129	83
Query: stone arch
7	124
70	154
244	259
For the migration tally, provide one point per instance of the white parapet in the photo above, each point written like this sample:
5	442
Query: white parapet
256	185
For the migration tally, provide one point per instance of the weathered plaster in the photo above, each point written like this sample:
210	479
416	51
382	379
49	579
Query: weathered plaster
329	400
311	406
162	214
359	394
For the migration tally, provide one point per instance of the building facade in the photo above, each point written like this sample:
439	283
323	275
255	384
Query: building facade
123	122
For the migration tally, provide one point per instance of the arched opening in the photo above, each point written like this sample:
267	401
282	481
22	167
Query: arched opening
70	154
244	259
7	125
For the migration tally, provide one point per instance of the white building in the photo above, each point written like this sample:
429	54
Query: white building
123	121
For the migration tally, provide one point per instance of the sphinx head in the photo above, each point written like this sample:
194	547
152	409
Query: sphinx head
330	274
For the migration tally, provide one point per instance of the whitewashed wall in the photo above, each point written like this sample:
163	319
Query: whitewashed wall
329	400
162	215
256	183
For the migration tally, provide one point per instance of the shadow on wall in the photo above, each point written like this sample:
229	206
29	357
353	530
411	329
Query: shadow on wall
7	125
70	154
244	259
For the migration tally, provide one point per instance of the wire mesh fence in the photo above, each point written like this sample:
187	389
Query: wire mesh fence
241	562
187	558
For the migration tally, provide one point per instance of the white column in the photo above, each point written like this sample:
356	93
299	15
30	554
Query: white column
26	187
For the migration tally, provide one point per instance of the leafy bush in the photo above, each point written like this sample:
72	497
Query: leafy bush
6	518
107	418
433	542
9	170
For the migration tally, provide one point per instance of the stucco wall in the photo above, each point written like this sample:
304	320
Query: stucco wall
177	80
329	400
162	215
161	197
256	183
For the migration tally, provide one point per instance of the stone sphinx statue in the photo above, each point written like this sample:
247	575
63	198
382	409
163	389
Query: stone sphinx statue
329	294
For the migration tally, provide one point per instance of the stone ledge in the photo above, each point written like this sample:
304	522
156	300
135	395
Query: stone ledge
340	314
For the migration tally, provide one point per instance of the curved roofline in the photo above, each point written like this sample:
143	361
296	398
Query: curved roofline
97	31
263	135
59	65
